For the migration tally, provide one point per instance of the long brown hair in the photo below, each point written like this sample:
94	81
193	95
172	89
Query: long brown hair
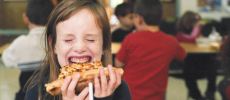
187	21
63	11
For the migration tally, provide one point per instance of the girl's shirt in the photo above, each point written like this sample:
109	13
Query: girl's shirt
191	38
121	93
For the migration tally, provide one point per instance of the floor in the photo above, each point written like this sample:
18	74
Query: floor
176	88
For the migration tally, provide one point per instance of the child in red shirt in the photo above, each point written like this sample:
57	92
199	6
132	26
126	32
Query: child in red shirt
146	54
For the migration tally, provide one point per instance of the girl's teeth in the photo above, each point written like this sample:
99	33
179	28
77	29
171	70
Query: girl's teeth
81	60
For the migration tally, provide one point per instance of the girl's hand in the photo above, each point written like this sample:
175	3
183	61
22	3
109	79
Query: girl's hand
68	89
106	88
200	23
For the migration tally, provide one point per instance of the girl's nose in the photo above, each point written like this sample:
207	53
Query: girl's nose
79	47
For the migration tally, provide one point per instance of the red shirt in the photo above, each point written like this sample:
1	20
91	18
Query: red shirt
147	56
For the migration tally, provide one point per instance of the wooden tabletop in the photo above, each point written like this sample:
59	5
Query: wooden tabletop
189	47
201	48
2	48
115	47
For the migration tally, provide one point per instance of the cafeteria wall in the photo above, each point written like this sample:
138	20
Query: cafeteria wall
11	14
184	5
11	11
1	8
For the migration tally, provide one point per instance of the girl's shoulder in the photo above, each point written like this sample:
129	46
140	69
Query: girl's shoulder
32	93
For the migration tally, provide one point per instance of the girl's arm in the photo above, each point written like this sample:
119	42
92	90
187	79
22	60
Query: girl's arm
189	38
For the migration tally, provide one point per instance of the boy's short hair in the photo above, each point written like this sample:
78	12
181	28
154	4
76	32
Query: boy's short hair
38	11
150	10
123	9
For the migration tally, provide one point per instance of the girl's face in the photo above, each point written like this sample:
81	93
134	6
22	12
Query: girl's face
79	39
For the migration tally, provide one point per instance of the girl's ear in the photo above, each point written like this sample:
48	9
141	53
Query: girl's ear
25	18
50	44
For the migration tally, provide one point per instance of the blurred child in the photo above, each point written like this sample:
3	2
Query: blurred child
28	49
196	65
146	54
78	31
224	85
189	27
124	13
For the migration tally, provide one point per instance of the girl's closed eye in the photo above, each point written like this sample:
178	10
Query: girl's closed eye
68	40
90	40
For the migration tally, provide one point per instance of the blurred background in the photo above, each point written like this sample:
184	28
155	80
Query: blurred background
215	12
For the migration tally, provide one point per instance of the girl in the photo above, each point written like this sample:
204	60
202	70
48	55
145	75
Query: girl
189	27
77	31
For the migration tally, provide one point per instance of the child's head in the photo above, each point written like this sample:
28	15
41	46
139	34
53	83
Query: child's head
187	21
124	13
150	11
78	31
38	11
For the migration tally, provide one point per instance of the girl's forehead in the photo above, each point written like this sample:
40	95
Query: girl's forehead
83	21
84	13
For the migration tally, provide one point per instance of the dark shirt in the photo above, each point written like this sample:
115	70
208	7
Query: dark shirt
121	93
119	34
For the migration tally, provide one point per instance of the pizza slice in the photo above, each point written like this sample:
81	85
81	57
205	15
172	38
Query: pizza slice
87	71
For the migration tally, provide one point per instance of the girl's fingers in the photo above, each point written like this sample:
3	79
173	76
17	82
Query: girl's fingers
64	86
84	94
97	87
87	98
72	86
112	81
104	84
118	78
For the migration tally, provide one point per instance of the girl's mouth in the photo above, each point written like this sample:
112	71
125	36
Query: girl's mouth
79	59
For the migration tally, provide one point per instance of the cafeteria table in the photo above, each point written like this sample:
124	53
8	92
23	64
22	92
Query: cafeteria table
2	48
189	47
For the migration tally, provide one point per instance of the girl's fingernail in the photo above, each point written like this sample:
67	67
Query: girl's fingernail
68	77
101	68
96	77
77	75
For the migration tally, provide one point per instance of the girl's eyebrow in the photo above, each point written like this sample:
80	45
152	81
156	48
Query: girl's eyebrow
68	34
92	34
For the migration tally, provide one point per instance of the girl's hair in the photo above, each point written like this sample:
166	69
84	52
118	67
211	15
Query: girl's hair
63	11
225	55
187	21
